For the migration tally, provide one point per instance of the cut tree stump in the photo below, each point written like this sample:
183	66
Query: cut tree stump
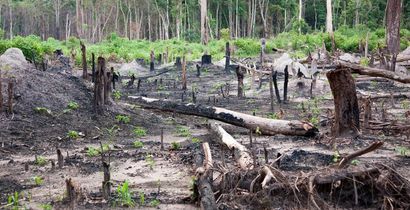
240	74
264	125
206	60
241	153
347	113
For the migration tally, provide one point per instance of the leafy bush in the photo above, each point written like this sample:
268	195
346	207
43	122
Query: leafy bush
123	119
40	161
38	180
140	132
72	105
124	195
138	144
73	134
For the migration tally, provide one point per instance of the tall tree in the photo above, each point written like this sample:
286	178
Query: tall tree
204	28
329	18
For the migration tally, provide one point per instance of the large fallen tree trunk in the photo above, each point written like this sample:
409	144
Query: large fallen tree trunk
241	153
374	72
263	125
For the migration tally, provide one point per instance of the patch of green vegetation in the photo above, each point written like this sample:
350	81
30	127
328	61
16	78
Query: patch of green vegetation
123	119
112	132
140	132
196	140
47	206
138	144
142	198
355	162
13	201
183	131
117	95
42	110
73	135
175	145
92	152
40	161
38	180
273	116
154	203
403	151
405	104
336	156
124	196
364	61
72	105
150	160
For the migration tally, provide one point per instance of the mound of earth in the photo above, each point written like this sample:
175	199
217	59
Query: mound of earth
13	58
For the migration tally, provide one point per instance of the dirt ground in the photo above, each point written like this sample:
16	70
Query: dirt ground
165	177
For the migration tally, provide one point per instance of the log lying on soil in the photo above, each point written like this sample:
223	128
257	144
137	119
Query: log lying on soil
371	148
241	153
375	72
203	183
264	125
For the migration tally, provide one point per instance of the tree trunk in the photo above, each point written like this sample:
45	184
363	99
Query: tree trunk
227	57
329	19
99	85
241	153
393	11
264	125
240	74
84	60
204	28
346	106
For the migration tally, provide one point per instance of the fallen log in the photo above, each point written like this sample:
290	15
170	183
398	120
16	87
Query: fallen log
241	153
371	148
263	125
204	179
374	72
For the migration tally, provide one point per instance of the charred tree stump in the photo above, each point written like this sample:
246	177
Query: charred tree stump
206	60
184	86
346	106
263	47
115	78
227	57
84	60
178	63
138	83
240	74
162	139
60	159
275	84
160	59
10	91
106	184
107	86
152	60
71	191
198	70
93	67
285	85
99	85
166	54
272	108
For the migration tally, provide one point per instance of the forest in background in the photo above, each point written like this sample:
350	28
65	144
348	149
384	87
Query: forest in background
128	29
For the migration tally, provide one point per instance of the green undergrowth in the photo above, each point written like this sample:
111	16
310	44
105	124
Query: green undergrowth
119	49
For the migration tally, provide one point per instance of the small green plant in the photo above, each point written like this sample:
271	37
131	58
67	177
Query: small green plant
364	61
258	131
117	95
142	198
403	151
161	88
42	110
40	161
314	120
47	206
140	132
175	145
38	180
183	131
355	162
150	160
273	116
13	201
138	144
336	156
72	105
196	140
124	195
112	132
405	104
373	84
92	152
123	119
154	203
73	134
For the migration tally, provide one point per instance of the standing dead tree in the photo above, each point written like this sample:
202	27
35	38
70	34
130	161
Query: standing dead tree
99	85
184	83
393	11
347	111
240	72
152	60
84	60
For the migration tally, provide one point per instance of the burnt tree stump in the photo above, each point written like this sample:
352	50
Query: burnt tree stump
227	57
106	184
151	64
107	85
198	70
346	106
84	60
178	63
275	84
93	67
99	85
184	86
240	74
60	159
285	85
206	60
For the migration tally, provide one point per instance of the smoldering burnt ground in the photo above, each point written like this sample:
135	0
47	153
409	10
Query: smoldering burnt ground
29	133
